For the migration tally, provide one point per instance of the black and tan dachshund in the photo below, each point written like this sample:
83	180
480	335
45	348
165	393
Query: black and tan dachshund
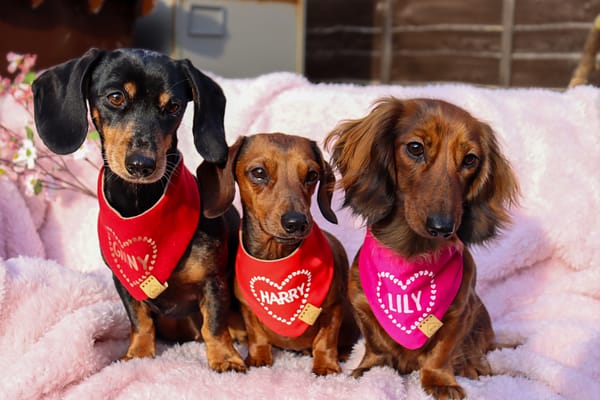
169	252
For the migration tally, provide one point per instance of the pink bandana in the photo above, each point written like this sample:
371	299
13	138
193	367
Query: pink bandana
409	298
286	294
143	251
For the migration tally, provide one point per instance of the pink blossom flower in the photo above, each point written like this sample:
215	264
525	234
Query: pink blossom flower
5	84
14	61
19	157
26	154
32	183
81	152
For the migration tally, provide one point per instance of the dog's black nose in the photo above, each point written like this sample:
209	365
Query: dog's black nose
294	222
139	165
440	225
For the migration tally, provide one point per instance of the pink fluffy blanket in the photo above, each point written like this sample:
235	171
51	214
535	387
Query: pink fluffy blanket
62	326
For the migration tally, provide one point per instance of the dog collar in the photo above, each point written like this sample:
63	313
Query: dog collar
286	294
142	251
409	298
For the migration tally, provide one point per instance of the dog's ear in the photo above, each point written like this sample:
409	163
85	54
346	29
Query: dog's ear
59	103
217	184
490	195
326	186
209	114
364	153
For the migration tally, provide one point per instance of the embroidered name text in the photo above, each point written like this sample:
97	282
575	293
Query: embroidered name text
131	260
282	297
405	303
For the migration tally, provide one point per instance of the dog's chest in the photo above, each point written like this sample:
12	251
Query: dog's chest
177	301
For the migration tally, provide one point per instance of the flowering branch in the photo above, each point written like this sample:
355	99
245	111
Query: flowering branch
31	165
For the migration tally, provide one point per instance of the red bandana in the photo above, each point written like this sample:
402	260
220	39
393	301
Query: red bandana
286	294
143	251
409	298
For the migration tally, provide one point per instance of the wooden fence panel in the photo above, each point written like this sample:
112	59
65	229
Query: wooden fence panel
499	42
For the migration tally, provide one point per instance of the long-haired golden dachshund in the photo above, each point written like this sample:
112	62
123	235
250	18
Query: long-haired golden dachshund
291	278
429	179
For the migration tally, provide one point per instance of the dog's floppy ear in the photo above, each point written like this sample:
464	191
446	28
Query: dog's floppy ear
59	103
326	186
492	192
364	153
217	184
209	114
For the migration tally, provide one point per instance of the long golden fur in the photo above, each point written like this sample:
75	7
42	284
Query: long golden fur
421	173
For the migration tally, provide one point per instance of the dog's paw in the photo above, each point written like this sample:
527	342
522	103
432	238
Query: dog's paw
259	361
473	367
231	364
441	384
260	356
322	370
325	363
138	353
358	372
453	392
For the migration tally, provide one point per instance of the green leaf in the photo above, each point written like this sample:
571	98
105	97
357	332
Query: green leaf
29	77
2	171
29	133
37	187
93	135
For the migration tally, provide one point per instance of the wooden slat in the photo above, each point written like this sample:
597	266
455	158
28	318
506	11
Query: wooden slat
542	73
487	41
555	11
339	66
563	40
506	41
427	12
436	69
326	13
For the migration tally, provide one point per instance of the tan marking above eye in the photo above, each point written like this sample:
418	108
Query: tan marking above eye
167	104
164	99
131	89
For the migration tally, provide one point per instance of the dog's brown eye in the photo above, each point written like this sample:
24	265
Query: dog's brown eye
470	161
312	177
258	174
415	149
116	99
172	107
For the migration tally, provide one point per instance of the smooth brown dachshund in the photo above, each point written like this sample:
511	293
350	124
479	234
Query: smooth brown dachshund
168	251
277	175
429	180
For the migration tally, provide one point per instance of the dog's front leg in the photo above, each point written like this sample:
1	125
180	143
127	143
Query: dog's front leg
142	337
260	352
325	343
437	373
220	353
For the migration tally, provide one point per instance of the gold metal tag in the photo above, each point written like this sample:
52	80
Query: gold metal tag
310	314
152	287
430	325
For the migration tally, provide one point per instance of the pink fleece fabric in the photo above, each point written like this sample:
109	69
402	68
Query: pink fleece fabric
62	325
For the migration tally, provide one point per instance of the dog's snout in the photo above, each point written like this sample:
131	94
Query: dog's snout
440	225
294	222
139	165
